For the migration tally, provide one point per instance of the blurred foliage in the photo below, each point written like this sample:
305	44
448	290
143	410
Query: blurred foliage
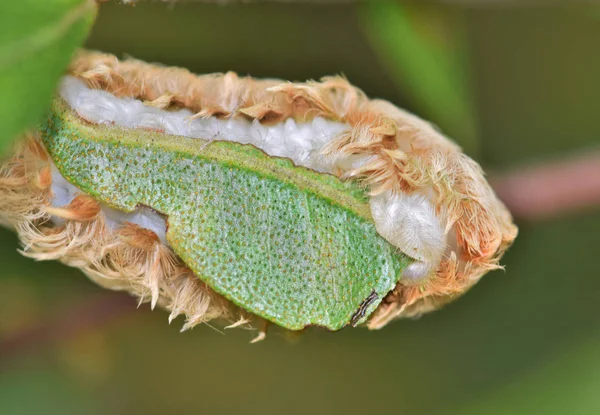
424	48
536	83
522	341
567	384
37	40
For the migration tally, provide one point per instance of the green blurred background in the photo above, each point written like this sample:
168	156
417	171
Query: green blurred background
514	84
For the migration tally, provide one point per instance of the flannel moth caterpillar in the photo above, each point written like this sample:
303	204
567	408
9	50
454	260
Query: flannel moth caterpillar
217	196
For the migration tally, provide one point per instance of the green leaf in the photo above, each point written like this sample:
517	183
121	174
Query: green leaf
286	243
423	48
37	40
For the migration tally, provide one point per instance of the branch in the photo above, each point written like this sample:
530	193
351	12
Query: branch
551	189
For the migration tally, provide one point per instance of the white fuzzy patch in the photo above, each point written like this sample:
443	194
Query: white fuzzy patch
408	222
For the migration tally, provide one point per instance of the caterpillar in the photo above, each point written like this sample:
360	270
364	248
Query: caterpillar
251	201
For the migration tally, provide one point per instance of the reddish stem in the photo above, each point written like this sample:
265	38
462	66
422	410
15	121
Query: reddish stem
551	189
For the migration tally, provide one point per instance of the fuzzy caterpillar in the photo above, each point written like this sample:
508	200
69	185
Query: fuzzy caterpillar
224	197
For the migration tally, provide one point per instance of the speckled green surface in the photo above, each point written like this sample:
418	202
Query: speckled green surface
293	246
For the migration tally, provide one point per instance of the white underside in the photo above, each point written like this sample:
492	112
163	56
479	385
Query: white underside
406	221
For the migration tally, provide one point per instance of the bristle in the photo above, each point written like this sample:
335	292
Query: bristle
138	237
44	178
81	208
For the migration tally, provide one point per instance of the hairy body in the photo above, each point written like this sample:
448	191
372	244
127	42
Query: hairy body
424	197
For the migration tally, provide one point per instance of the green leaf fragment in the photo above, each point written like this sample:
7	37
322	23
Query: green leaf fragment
37	40
291	245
